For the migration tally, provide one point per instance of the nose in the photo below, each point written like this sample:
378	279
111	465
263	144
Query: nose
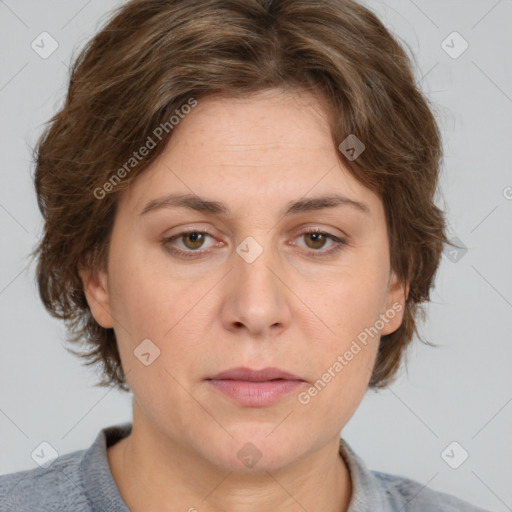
256	295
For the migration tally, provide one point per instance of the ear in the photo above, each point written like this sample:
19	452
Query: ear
96	293
395	304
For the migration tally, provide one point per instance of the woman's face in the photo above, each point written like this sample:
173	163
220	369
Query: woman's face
249	287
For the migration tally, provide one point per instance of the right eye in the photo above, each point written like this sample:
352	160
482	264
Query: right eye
191	241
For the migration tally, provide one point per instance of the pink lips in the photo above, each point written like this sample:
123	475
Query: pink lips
255	388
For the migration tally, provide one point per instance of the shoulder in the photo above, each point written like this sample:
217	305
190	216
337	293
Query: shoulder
403	492
57	487
382	492
80	481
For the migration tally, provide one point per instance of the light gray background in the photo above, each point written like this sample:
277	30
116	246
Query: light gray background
459	392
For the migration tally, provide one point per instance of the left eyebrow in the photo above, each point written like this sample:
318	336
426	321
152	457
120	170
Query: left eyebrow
199	204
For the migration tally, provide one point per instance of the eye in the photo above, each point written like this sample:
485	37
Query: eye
315	241
193	239
191	242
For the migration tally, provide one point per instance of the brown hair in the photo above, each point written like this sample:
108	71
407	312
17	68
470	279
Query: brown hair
153	56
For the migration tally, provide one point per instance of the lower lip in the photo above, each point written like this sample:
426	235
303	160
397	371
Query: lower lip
256	394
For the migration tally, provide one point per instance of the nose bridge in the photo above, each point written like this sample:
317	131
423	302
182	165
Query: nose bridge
257	295
253	262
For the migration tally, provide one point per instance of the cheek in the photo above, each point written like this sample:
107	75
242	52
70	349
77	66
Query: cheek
352	302
343	365
173	313
344	362
142	299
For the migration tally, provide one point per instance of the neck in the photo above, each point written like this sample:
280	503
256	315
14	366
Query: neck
154	473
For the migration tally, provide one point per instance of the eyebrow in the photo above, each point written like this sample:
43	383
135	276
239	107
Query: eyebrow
194	202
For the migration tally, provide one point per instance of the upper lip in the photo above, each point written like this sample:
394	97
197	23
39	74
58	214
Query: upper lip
251	375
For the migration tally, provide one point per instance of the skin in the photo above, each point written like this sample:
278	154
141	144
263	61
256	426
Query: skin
287	309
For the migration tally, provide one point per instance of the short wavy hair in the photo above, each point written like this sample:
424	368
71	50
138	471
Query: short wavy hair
152	56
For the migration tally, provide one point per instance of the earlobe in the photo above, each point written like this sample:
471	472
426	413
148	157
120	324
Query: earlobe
395	305
96	293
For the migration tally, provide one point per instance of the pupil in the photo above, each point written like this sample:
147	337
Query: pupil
194	240
316	239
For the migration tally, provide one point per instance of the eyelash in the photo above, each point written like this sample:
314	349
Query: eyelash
338	244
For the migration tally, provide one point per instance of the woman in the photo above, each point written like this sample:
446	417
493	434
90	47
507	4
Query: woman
239	224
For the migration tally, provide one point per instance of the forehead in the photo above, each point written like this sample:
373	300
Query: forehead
275	145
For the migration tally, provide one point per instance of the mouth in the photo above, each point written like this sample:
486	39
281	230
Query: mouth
249	375
255	388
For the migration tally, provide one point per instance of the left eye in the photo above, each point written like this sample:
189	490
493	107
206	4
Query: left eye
316	239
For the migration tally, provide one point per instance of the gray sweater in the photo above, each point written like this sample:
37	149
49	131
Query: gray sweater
81	481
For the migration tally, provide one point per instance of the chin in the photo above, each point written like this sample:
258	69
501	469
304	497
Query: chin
257	448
